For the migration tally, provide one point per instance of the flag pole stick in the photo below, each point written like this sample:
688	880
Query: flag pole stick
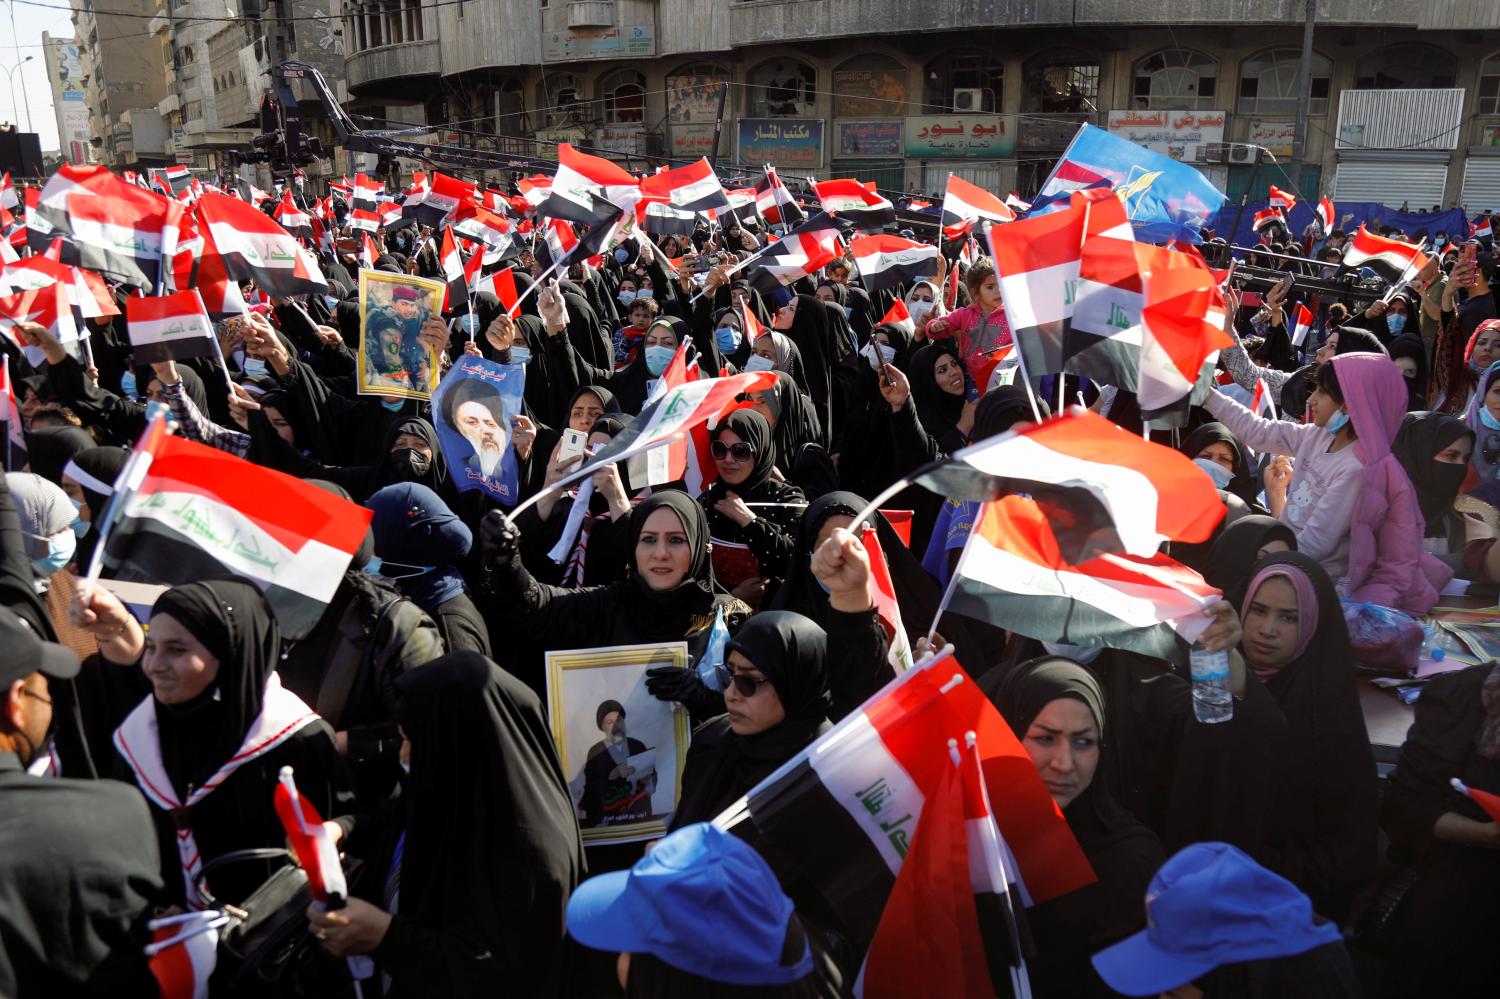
734	270
1405	279
948	590
541	279
1036	410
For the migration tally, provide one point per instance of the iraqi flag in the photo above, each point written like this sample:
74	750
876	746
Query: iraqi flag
169	328
390	215
184	951
899	316
840	816
1302	320
855	203
775	203
582	182
1102	489
367	252
1180	330
16	453
535	190
291	218
1480	229
801	253
481	225
316	853
1013	575
441	199
1260	403
367	193
886	262
501	284
46	306
363	220
453	270
1038	261
1484	799
1281	200
1325	215
1266	218
741	207
85	289
965	203
691	188
125	238
887	608
183	511
255	248
1391	259
661	219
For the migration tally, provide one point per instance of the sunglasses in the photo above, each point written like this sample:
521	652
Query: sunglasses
741	451
747	686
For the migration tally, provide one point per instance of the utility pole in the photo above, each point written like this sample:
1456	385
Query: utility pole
1304	98
16	41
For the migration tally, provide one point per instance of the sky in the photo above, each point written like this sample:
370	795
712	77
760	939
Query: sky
30	22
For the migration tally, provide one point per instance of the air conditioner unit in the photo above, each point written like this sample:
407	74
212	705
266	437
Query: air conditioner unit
1242	154
1211	152
968	99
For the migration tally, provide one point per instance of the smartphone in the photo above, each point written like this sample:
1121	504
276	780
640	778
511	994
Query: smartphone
1286	283
1470	255
573	443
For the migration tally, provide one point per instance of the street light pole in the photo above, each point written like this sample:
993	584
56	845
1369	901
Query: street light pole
16	42
10	74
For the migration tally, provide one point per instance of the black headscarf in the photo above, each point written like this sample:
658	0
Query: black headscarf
51	447
815	337
752	428
1001	408
605	396
1237	548
801	592
103	465
667	615
235	624
1421	437
796	419
1242	482
386	473
1411	345
1027	688
938	410
791	652
492	845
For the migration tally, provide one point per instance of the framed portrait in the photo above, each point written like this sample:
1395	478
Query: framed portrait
472	411
392	360
622	750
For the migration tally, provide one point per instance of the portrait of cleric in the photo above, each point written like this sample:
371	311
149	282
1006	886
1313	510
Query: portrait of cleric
473	409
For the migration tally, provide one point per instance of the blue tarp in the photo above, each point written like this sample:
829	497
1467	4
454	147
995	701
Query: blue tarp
1452	222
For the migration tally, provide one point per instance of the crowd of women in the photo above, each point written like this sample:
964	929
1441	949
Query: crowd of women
414	713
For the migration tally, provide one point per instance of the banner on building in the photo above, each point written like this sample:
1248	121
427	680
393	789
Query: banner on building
784	142
952	136
869	138
1182	135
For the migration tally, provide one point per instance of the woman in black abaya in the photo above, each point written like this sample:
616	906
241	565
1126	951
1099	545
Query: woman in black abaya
469	875
807	322
1213	443
1434	449
1240	546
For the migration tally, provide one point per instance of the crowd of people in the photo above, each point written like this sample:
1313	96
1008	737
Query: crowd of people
140	749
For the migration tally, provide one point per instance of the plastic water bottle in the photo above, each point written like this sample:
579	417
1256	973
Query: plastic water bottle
1212	700
1436	643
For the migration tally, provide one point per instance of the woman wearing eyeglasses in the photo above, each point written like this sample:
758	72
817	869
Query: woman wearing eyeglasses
753	514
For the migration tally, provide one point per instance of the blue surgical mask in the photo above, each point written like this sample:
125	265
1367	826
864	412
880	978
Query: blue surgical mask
332	301
1078	653
643	293
622	254
255	367
392	405
1336	422
60	549
759	363
1440	240
1216	471
520	355
657	359
79	525
626	296
468	324
1488	418
1396	323
728	338
127	384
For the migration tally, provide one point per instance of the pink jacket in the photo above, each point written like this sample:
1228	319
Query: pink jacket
1387	565
962	322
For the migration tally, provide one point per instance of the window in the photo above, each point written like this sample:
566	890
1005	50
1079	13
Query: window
1404	67
964	71
560	101
870	86
1175	80
1489	85
414	19
1065	83
624	93
510	108
1268	83
783	88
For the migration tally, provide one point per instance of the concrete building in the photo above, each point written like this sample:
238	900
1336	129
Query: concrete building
69	103
1405	93
119	71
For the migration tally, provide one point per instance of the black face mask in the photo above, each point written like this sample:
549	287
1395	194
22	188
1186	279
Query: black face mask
409	464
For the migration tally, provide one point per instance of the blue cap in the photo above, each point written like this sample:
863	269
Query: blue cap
703	901
1208	906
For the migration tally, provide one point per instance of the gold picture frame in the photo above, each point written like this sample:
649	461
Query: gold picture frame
398	366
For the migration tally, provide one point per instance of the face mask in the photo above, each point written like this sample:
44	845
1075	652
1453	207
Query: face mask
1078	653
1216	471
79	525
918	309
626	296
728	338
254	367
657	359
520	355
332	301
60	548
1336	422
878	353
643	293
398	570
759	363
409	463
622	254
127	384
468	324
391	405
1396	323
1488	419
848	311
1441	240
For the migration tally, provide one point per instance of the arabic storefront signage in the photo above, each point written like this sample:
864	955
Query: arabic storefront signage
633	40
627	139
693	98
783	142
868	138
548	138
1277	136
689	142
1178	134
953	136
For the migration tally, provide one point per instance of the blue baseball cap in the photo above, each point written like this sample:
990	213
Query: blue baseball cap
703	901
1210	905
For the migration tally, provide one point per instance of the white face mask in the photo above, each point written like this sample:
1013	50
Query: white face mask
878	354
918	309
759	363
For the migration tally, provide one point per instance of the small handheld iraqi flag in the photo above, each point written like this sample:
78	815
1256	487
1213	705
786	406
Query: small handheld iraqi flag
899	316
1484	799
1281	199
1261	405
1325	216
1302	320
168	328
311	843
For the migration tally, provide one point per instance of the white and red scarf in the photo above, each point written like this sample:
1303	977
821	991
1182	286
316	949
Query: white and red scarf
282	715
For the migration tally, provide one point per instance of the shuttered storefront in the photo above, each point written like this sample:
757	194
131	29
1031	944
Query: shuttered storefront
1416	179
889	175
1481	188
996	176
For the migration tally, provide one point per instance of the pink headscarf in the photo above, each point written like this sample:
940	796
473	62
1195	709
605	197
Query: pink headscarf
1307	606
1385	532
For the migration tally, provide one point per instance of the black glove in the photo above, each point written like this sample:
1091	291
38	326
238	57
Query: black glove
672	683
499	538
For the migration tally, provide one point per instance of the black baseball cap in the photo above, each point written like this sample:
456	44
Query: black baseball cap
26	653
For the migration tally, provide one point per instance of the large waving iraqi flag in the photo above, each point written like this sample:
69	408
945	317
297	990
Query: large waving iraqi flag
253	247
182	512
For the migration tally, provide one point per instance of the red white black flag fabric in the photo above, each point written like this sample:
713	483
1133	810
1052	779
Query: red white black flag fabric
1268	217
440	200
1484	799
501	284
293	219
1326	216
899	316
1038	262
691	188
314	847
46	306
1280	199
1101	488
184	951
801	253
16	454
1181	328
1393	260
368	192
847	807
169	328
1302	320
254	247
586	188
363	220
775	203
855	203
481	224
453	270
367	252
661	219
126	235
186	511
886	262
677	410
965	203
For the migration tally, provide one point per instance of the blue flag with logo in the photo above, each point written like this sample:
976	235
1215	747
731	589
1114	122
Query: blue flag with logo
1164	199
